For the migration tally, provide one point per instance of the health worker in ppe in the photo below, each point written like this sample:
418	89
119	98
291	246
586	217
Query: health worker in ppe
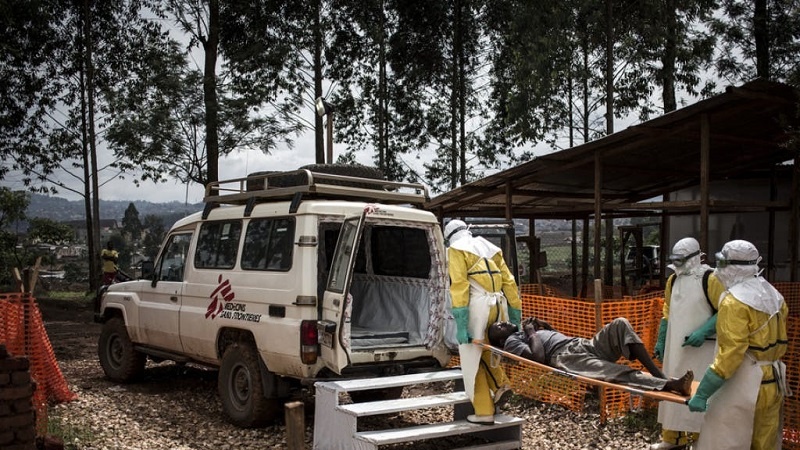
686	335
483	291
742	391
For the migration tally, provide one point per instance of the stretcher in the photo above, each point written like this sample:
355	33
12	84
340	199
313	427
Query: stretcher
655	395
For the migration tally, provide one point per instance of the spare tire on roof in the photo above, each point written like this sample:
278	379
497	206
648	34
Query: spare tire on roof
258	183
350	170
295	179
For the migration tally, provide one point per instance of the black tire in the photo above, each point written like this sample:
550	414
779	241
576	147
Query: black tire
258	184
375	395
119	360
241	388
350	170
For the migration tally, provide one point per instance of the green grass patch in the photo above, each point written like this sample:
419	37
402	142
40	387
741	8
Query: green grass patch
74	437
66	295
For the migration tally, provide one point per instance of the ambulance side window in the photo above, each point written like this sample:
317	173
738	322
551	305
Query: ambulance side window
269	244
218	244
173	261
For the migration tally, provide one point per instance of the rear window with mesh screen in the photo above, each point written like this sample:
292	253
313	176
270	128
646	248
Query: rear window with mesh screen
400	252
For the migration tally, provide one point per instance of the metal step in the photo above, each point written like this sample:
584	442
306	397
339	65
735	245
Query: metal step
363	384
336	425
436	430
404	404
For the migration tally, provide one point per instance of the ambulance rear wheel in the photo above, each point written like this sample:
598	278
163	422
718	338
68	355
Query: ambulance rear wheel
241	388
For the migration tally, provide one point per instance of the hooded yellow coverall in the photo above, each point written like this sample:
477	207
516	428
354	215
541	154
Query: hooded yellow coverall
735	324
493	275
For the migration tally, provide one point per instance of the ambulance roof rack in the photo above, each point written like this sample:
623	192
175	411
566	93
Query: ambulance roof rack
272	186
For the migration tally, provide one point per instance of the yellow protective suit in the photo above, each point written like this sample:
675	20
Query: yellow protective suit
475	271
742	329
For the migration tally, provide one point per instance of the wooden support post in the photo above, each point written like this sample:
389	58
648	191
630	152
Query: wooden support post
598	184
585	258
598	323
705	158
598	304
294	414
574	248
34	275
794	218
18	278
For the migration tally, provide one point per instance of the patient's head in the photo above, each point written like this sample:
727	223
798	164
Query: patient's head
499	332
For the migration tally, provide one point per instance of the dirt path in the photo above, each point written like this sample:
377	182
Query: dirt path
177	407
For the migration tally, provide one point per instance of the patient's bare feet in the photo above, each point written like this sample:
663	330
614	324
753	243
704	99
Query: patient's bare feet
682	385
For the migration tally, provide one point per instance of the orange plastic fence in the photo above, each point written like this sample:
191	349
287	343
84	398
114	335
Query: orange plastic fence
791	293
23	333
577	317
791	419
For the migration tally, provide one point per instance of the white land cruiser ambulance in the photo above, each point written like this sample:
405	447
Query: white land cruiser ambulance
300	277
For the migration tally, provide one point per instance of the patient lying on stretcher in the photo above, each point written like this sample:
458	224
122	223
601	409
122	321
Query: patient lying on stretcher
592	358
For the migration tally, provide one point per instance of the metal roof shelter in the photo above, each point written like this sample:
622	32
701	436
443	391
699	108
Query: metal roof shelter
739	133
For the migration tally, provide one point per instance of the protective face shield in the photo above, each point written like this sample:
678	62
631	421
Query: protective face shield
685	256
737	261
455	230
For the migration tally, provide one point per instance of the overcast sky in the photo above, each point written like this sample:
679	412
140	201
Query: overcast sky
236	165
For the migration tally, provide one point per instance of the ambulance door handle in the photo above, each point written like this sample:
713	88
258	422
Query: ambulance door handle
174	298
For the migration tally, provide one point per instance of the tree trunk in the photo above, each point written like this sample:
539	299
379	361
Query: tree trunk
462	100
609	260
585	83
454	155
761	36
87	177
211	47
318	129
668	58
609	68
383	99
93	231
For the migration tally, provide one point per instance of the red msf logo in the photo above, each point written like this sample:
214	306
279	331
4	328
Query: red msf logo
223	290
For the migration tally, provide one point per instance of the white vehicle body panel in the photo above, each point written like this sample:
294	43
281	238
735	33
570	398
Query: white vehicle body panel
187	316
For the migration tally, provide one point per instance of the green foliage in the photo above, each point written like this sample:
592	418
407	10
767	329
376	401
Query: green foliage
467	85
131	225
74	273
154	236
49	232
738	58
13	205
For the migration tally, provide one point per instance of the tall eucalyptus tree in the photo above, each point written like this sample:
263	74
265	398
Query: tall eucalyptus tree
83	57
757	39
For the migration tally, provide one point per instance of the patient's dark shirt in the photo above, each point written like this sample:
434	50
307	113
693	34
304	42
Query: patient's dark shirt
551	342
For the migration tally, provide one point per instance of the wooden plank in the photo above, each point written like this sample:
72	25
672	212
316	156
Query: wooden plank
294	415
18	278
404	404
384	437
655	395
35	275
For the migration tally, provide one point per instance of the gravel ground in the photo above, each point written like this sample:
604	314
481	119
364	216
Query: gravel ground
177	408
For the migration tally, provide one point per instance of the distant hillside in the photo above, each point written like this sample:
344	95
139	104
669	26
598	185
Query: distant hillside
61	210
